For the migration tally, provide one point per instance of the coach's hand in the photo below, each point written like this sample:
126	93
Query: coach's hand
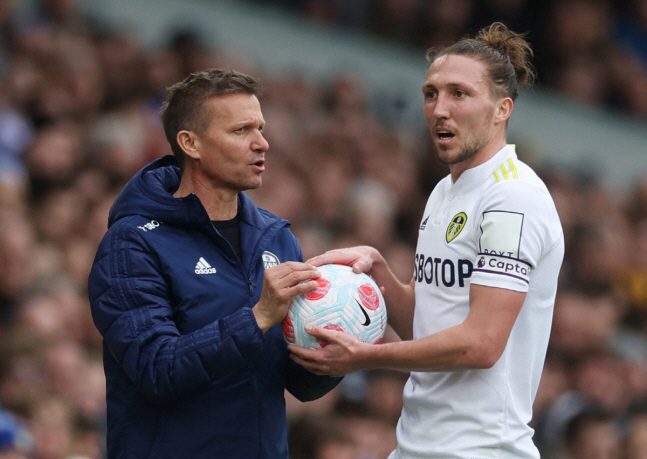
281	283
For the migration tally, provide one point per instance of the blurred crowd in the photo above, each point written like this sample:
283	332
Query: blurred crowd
78	117
593	51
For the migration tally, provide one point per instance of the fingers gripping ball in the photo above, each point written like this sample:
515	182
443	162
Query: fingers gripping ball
344	301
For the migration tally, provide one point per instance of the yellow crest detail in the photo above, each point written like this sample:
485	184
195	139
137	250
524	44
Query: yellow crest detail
455	226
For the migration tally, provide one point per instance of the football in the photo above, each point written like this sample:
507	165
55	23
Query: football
344	301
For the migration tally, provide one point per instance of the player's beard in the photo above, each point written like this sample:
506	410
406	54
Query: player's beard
471	148
463	154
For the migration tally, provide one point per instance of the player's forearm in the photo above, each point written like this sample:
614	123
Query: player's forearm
451	349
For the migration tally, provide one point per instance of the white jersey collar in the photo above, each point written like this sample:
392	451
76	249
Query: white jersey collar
478	174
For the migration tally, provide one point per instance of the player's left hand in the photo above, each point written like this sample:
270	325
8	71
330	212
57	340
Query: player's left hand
342	354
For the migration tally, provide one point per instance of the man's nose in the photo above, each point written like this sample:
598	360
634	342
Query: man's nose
441	107
260	143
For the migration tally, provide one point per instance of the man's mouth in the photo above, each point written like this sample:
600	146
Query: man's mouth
260	164
443	135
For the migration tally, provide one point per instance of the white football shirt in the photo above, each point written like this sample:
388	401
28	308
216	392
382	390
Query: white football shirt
496	226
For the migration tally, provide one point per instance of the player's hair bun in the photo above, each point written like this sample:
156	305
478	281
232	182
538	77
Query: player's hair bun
514	46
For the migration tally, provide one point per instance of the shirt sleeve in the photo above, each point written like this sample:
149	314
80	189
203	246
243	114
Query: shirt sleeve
307	386
515	232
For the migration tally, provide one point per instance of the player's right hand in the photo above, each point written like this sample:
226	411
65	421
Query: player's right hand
281	283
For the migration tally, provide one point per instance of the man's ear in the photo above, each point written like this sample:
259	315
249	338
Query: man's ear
504	109
189	143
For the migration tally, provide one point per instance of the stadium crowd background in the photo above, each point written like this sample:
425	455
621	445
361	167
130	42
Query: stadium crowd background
78	116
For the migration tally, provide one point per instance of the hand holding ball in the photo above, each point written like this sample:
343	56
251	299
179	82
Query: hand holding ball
344	301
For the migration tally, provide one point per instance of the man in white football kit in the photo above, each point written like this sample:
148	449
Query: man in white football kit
475	319
497	227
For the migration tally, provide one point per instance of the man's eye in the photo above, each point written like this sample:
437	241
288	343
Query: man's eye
460	93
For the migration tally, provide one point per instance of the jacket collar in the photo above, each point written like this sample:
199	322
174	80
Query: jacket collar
150	194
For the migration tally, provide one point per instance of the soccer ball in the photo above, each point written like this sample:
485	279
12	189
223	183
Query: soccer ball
344	301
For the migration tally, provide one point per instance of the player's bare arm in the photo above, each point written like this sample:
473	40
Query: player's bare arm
399	297
476	343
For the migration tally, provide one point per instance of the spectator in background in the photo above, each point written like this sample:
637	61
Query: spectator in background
393	19
16	442
631	30
17	242
521	15
636	439
592	436
320	437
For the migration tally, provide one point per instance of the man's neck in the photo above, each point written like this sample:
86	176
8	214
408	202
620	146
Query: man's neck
220	204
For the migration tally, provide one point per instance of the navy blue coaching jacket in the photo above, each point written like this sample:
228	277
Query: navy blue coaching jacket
189	374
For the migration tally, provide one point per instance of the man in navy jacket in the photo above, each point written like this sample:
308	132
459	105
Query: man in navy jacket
189	284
